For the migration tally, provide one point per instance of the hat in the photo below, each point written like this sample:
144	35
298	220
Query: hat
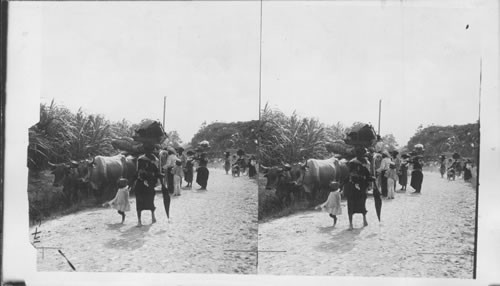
392	165
385	154
405	156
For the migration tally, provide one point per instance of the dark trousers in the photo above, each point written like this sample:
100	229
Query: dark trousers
383	183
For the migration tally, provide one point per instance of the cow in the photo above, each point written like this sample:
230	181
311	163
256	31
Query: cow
315	175
280	179
102	172
67	176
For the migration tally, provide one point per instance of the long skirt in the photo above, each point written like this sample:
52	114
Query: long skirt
416	180
252	171
356	199
144	196
202	177
188	175
227	166
403	178
467	174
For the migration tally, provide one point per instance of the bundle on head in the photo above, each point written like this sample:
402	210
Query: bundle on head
150	132
364	136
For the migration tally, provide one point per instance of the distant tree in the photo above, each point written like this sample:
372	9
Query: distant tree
335	131
389	142
232	135
173	139
463	139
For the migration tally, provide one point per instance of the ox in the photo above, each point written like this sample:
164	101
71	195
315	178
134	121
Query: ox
67	176
280	179
103	172
315	175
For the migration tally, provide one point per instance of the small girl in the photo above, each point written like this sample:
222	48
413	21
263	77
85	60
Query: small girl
392	178
332	204
178	174
121	200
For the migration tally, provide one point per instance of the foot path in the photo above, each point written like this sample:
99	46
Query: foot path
421	235
212	231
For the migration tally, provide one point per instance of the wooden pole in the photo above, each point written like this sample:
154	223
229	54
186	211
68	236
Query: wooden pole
379	114
164	109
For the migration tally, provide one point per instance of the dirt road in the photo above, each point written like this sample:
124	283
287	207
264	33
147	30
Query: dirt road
212	231
426	235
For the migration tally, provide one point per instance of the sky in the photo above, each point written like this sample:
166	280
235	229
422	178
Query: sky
120	59
321	59
335	62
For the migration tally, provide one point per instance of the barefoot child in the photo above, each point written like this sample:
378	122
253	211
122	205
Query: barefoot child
120	202
332	204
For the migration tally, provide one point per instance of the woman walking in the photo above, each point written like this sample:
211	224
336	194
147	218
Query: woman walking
417	176
188	172
147	177
403	172
252	171
202	173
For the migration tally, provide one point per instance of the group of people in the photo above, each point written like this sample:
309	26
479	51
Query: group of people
393	169
239	164
169	168
454	167
388	170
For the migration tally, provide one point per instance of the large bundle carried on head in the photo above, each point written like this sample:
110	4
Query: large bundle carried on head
148	135
150	132
339	147
364	136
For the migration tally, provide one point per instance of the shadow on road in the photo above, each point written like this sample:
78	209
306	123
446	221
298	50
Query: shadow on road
341	242
131	239
114	226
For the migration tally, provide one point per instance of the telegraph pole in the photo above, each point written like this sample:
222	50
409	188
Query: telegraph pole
379	113
164	109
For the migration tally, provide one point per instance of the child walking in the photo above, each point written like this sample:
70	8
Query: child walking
121	201
392	177
332	204
178	173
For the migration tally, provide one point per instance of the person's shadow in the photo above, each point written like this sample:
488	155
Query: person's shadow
340	242
130	239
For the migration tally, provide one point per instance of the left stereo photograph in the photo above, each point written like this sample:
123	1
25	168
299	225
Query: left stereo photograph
143	158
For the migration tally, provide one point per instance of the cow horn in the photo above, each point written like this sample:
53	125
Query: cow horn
263	167
73	163
51	164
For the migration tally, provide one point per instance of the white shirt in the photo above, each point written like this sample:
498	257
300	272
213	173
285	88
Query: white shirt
384	165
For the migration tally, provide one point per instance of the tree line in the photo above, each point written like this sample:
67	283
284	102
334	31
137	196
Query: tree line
292	138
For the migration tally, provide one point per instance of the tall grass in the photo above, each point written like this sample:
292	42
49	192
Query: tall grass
292	139
61	135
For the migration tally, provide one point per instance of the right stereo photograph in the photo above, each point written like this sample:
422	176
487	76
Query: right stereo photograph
369	143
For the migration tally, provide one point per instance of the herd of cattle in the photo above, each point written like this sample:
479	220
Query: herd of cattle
309	179
97	175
